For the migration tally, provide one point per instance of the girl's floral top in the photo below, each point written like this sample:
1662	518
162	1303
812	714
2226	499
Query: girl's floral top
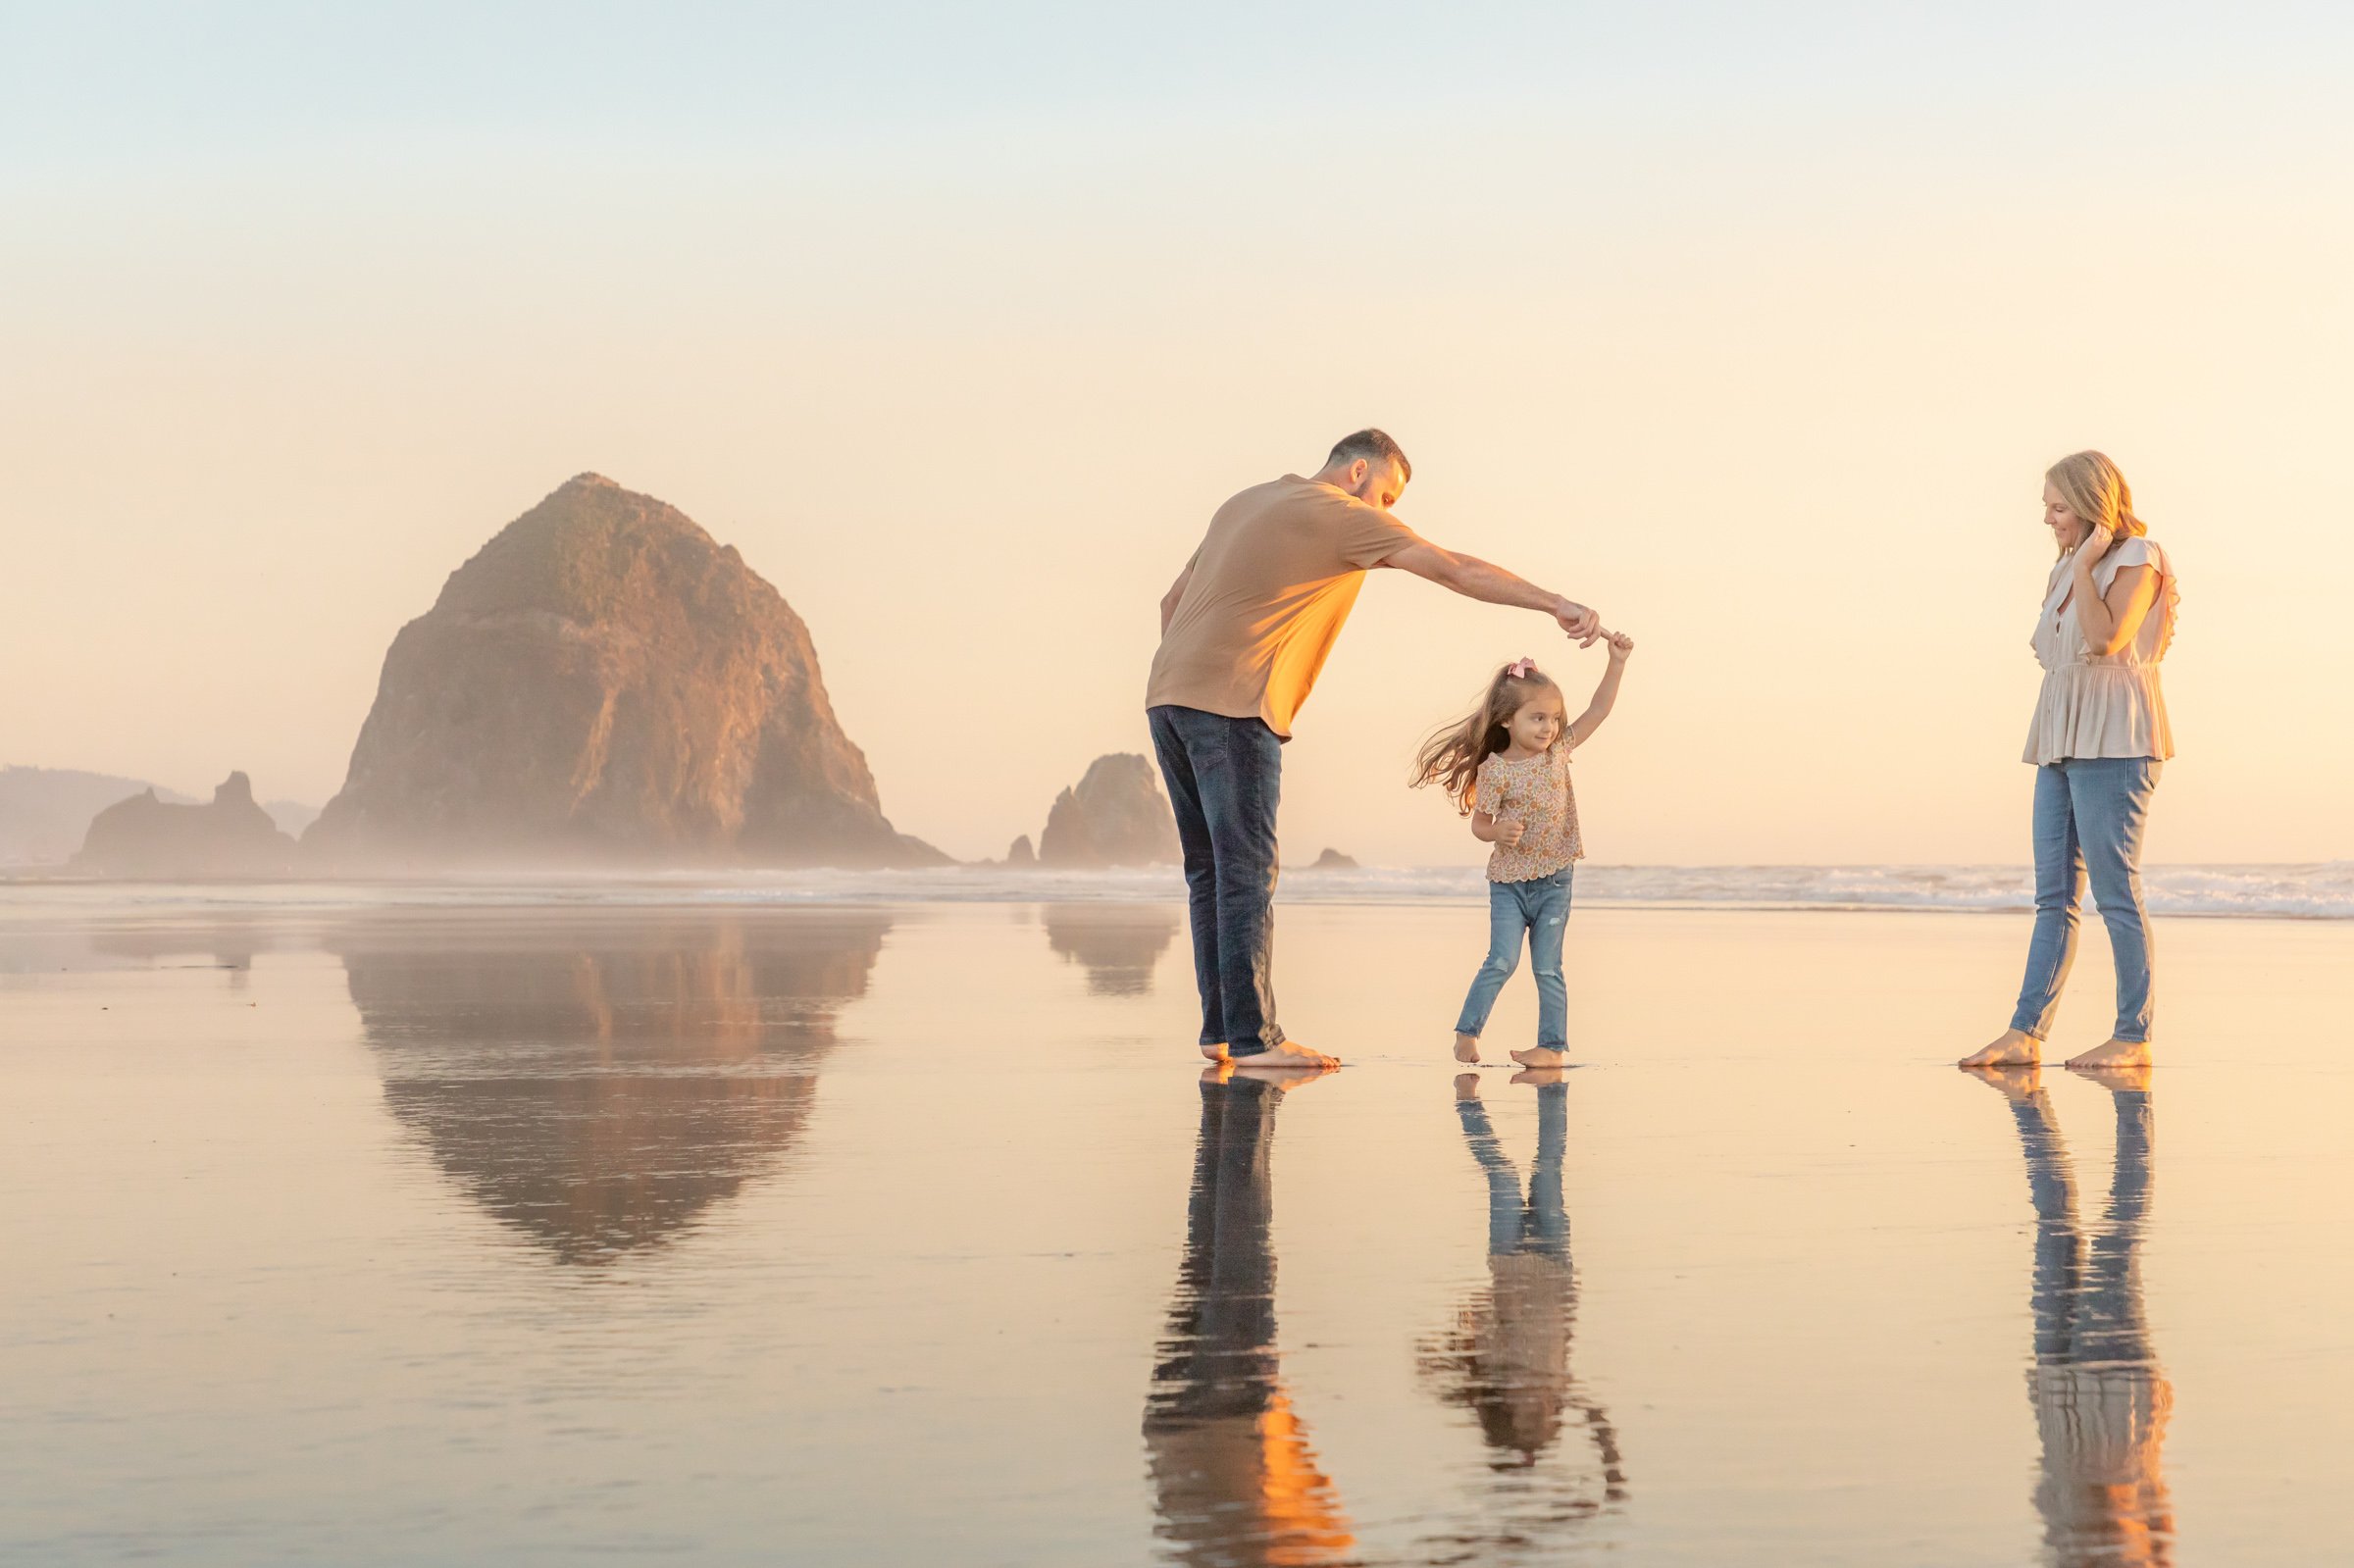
1534	791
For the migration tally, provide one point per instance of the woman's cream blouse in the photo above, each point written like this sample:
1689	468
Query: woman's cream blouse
2102	706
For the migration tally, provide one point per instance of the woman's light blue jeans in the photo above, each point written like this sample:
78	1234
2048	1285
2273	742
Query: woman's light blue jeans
1539	910
2089	814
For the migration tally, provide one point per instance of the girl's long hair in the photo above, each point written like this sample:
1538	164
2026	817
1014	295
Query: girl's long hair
1452	756
2096	490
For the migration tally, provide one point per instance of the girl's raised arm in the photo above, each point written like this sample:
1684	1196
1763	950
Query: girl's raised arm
1606	690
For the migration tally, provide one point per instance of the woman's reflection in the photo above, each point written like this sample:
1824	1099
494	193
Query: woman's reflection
2101	1397
1507	1357
1234	1478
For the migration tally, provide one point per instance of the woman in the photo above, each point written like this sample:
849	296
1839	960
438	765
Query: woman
2098	741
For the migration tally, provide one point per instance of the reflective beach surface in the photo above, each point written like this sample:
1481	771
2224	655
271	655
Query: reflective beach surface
916	1234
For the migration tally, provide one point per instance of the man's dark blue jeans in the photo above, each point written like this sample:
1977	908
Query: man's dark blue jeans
1225	777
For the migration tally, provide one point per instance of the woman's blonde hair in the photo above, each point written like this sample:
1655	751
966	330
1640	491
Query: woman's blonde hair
2096	492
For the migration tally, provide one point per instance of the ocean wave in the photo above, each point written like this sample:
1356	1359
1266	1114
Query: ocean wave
2322	891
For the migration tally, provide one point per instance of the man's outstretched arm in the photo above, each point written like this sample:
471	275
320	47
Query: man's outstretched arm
1474	578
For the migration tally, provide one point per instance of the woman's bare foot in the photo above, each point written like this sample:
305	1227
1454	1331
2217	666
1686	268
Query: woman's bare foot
2011	1049
1466	1086
1466	1047
1290	1056
1540	1056
2112	1079
2114	1053
1213	1053
2011	1083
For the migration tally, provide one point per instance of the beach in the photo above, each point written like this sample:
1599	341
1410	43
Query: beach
376	1228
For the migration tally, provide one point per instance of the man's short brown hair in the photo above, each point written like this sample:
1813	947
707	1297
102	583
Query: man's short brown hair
1372	445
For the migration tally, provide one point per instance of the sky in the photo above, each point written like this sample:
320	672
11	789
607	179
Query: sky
1753	326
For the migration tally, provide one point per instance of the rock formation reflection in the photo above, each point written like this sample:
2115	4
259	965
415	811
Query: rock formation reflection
2101	1397
1234	1478
1507	1356
600	1083
1118	944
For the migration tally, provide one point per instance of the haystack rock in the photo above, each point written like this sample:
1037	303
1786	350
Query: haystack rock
1020	856
146	836
604	683
1116	815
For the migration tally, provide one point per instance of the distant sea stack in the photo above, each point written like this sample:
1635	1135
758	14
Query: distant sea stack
1116	815
605	684
1334	860
146	836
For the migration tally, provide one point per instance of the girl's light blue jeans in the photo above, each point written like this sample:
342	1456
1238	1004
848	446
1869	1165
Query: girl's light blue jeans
1538	909
2089	814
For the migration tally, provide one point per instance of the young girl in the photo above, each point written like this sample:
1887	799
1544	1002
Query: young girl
1507	767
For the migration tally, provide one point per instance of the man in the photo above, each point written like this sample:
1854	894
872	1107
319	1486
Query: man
1244	631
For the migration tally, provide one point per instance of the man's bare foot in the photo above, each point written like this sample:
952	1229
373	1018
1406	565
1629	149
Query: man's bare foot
2011	1083
2011	1049
1290	1056
1466	1086
1213	1053
1540	1076
1466	1047
1540	1057
1282	1079
2114	1053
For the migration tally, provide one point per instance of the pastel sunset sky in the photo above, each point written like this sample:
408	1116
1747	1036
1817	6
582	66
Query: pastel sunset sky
1753	326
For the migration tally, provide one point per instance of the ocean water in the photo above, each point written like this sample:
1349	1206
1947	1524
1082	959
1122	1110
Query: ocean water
2315	890
753	1232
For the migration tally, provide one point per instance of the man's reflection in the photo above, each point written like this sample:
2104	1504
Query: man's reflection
1233	1476
1119	945
600	1083
2101	1397
1507	1357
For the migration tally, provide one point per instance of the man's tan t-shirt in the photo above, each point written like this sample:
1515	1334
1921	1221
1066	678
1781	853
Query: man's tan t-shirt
1273	582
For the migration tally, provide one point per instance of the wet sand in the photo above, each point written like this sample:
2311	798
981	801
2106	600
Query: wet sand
737	1235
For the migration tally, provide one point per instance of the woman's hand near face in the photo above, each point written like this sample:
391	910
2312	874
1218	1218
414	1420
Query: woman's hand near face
2096	545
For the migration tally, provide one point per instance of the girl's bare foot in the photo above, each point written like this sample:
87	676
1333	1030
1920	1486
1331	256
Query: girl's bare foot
2114	1053
1290	1056
1540	1056
2013	1082
1466	1047
2011	1049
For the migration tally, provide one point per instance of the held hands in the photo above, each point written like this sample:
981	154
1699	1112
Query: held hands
1579	620
1620	645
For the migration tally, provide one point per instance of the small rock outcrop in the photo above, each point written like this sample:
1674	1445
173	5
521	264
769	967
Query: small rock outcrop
1333	860
1115	815
1021	857
604	683
148	836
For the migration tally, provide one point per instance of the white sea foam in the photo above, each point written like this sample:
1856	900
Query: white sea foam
2318	891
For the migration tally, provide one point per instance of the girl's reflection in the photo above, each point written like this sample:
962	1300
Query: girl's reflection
2101	1397
1508	1355
1233	1476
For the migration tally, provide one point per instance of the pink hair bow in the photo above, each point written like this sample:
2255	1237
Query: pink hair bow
1522	668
